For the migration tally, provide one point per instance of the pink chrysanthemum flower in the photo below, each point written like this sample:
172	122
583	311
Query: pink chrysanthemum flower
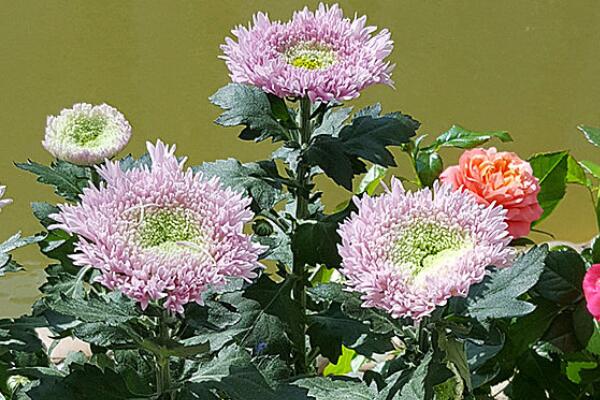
408	252
318	54
86	134
3	202
161	232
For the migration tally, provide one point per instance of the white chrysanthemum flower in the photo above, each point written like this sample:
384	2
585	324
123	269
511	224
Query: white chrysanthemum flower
86	134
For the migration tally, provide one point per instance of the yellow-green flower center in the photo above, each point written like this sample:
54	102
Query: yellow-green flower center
426	244
84	129
310	56
168	230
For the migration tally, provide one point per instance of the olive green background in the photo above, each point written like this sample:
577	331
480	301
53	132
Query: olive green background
529	67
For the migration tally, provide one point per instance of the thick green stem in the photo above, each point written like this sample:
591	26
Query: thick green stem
163	372
302	212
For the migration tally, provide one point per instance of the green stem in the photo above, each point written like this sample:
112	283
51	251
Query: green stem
163	372
302	201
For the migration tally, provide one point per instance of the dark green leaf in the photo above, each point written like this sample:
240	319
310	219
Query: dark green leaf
365	138
561	279
429	166
331	329
257	179
68	179
249	106
462	138
551	170
315	242
88	382
275	299
42	212
415	389
497	296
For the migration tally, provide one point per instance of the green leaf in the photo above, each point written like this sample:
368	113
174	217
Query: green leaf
457	355
129	162
429	166
365	138
101	334
88	382
218	367
256	179
591	168
42	212
68	179
321	388
343	365
333	121
330	329
561	279
415	389
372	179
462	138
111	309
250	106
591	134
575	173
551	170
498	295
14	242
315	242
268	316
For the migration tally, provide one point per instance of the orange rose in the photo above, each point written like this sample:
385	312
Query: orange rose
501	178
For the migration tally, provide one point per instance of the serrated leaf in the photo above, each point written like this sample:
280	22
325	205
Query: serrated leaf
415	389
315	242
88	382
457	136
256	179
498	295
551	170
250	106
111	309
331	329
321	388
561	279
333	121
42	211
591	134
68	179
275	299
365	138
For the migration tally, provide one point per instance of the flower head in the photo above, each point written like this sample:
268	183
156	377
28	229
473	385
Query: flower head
86	134
3	202
501	178
161	232
591	290
410	252
318	54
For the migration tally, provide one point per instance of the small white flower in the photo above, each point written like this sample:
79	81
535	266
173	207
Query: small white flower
86	134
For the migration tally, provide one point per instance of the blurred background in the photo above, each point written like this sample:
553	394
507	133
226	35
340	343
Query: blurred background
531	68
